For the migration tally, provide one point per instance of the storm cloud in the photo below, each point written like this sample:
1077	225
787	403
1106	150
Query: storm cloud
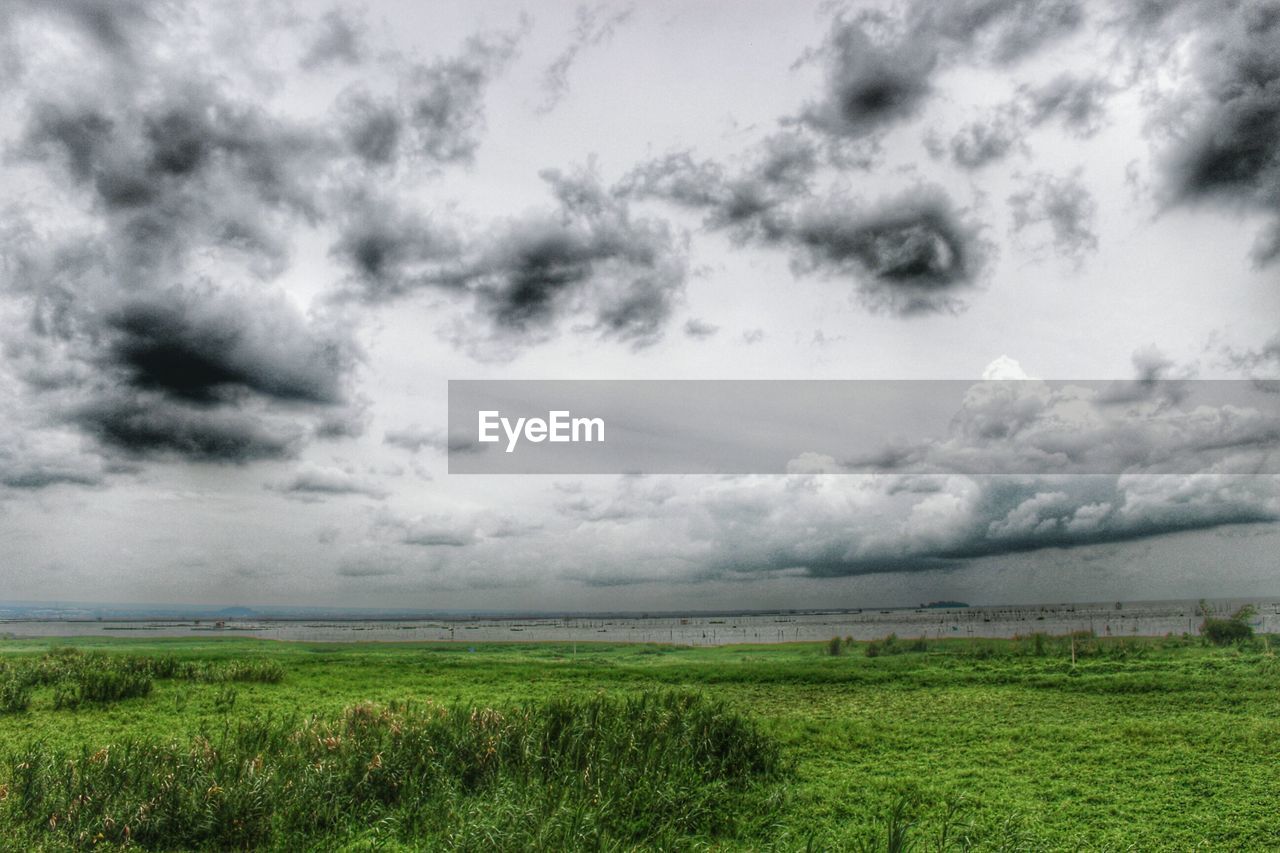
868	85
587	257
941	504
907	254
202	345
881	70
1229	148
157	323
242	249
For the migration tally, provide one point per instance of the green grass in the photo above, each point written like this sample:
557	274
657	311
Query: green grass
980	744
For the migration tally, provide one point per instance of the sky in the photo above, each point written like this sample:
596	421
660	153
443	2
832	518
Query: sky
244	247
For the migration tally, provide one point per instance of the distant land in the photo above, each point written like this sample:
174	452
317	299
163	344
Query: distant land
71	611
80	611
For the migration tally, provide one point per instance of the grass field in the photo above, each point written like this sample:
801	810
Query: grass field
967	744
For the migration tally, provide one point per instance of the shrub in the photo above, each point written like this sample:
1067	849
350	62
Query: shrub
1234	629
834	648
873	650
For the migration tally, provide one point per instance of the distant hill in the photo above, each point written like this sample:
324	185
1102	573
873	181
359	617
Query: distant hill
235	613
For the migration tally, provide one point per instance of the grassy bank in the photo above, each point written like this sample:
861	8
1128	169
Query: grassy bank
1137	744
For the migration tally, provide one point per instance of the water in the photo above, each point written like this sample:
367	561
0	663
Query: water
1151	618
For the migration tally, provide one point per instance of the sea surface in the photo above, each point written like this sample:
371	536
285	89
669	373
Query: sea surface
1149	618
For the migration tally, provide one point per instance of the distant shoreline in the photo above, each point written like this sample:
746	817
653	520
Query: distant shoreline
85	612
1155	618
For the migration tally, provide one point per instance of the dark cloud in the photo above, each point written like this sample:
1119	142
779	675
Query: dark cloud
162	331
880	70
203	345
594	26
1029	517
589	257
142	424
213	373
190	169
908	255
159	324
839	526
869	86
528	273
339	37
1230	149
1065	206
936	504
392	250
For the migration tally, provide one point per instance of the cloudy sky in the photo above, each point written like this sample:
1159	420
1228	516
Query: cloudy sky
244	246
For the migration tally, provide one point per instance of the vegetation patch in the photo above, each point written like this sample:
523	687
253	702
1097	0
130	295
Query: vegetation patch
941	744
76	677
563	774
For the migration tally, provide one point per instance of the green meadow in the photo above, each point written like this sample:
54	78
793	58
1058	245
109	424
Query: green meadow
1029	744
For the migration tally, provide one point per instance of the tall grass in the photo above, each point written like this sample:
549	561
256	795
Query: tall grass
15	696
565	774
104	685
77	677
